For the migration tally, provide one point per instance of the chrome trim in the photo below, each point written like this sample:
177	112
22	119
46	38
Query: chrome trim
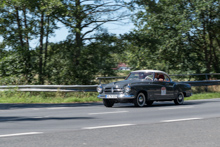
119	96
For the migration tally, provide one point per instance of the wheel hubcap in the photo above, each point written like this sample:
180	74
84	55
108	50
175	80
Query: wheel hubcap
141	99
180	98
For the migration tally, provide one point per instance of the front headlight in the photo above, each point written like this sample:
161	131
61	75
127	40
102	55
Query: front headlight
99	89
127	88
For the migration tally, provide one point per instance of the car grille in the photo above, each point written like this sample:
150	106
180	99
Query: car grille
111	90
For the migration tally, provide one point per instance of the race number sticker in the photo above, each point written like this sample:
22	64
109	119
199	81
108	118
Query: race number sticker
163	91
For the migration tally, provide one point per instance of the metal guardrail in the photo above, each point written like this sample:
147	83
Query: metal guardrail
82	88
92	88
203	83
50	88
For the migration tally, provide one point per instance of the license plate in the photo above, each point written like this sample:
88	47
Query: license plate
110	96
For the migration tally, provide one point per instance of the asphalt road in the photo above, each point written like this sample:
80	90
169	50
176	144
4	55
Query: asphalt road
196	123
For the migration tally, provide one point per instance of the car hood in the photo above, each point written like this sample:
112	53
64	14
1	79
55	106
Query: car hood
121	84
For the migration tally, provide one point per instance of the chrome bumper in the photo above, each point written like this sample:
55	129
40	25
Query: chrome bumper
119	96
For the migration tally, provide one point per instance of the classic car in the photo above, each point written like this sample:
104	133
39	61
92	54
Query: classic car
143	87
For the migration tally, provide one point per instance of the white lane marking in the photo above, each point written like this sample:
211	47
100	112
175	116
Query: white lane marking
53	108
176	107
41	117
110	126
107	112
185	119
38	117
20	134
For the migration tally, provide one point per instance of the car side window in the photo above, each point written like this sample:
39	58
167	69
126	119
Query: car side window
149	76
156	77
167	79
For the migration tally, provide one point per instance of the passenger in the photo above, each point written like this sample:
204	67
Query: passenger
161	78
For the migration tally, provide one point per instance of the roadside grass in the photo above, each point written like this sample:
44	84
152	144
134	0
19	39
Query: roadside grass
76	97
207	95
47	97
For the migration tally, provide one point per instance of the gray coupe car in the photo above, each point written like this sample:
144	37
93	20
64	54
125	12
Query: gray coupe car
143	87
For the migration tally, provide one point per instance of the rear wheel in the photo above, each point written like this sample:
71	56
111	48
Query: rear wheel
108	103
140	100
180	99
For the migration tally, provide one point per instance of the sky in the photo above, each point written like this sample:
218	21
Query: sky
61	33
114	28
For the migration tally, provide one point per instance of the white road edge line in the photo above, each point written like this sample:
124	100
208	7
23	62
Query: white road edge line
185	119
107	112
110	126
20	134
176	107
54	108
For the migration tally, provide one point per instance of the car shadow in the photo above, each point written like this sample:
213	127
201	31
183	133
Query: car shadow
166	104
7	119
23	106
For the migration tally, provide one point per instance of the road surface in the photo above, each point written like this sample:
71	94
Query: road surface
196	123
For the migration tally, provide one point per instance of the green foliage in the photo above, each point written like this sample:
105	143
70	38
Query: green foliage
97	59
77	60
140	50
174	36
187	35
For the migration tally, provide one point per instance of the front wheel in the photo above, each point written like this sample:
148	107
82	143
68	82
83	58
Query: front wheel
140	100
108	103
180	99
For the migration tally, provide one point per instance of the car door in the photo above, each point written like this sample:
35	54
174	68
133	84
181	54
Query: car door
169	87
160	87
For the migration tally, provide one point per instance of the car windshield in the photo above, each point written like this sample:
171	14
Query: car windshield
140	76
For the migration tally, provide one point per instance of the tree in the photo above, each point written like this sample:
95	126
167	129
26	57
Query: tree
83	18
23	21
14	31
97	59
188	32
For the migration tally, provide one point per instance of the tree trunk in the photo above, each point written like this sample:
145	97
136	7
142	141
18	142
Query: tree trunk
216	58
45	53
27	51
19	27
210	48
78	38
205	48
41	81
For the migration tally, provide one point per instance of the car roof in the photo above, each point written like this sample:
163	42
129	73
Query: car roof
157	71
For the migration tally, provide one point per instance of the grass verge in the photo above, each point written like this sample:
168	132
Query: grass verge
77	97
205	95
47	97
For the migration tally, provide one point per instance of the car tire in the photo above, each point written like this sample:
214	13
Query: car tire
180	99
108	103
140	100
149	103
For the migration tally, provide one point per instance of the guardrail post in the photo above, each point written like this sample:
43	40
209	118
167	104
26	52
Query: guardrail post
206	77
